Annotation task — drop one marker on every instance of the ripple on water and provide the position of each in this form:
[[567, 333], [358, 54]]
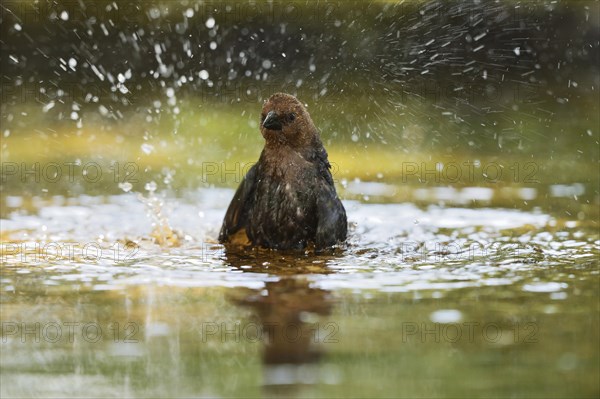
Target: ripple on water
[[446, 316], [545, 287], [392, 247]]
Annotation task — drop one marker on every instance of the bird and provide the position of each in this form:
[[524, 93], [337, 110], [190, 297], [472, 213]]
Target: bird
[[287, 200]]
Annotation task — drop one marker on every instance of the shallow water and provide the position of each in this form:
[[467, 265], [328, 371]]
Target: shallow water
[[139, 300]]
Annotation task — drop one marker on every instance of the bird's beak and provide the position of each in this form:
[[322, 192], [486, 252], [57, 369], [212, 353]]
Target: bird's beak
[[272, 121]]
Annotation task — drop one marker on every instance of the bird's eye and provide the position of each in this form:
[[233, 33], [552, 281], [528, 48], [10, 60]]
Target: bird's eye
[[291, 117]]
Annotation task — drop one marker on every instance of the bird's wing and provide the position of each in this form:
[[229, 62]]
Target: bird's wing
[[332, 225], [237, 213], [319, 158]]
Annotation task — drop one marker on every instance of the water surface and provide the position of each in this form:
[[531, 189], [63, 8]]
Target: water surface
[[423, 301]]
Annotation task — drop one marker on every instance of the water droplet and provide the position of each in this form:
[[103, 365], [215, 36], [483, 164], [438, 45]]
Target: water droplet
[[266, 64], [154, 13], [48, 106], [147, 148], [203, 74], [64, 16], [150, 186], [210, 23], [126, 186]]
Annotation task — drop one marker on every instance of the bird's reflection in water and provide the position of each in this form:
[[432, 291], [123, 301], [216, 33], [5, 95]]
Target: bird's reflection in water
[[290, 313]]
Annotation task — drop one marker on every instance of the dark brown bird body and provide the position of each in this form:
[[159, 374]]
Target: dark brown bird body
[[288, 199]]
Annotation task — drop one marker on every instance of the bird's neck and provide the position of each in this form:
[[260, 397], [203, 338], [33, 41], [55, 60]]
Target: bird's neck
[[278, 148], [276, 154]]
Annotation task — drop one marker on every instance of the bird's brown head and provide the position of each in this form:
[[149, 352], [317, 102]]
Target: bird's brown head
[[284, 120]]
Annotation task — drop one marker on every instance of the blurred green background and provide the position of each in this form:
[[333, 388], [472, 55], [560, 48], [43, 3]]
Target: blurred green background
[[170, 92]]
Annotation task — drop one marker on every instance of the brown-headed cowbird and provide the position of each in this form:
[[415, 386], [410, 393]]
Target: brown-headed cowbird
[[287, 200]]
